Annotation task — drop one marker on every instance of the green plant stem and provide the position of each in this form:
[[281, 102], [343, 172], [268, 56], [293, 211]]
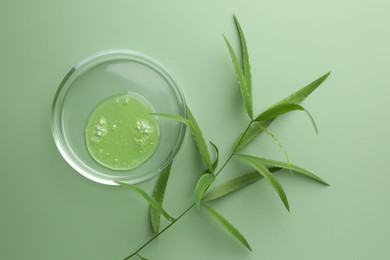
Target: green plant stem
[[193, 204], [235, 149], [159, 233]]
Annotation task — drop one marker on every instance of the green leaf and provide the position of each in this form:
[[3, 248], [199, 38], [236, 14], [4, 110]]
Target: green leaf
[[174, 117], [246, 90], [245, 57], [200, 141], [234, 184], [201, 186], [158, 196], [244, 52], [196, 134], [148, 198], [229, 227], [295, 98], [257, 164], [294, 168], [301, 94], [281, 109], [215, 163]]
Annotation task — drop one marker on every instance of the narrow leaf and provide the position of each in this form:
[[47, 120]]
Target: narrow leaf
[[312, 121], [148, 198], [229, 227], [201, 186], [245, 57], [215, 163], [295, 98], [158, 196], [173, 116], [278, 110], [301, 94], [196, 134], [242, 82], [234, 184], [281, 109], [268, 176], [294, 168], [200, 141]]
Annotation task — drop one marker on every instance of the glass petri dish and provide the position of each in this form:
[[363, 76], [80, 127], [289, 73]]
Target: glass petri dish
[[105, 74]]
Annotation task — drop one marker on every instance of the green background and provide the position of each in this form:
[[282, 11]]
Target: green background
[[48, 211]]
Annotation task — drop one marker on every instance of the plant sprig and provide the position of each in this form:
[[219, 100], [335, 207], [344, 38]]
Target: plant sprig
[[265, 168]]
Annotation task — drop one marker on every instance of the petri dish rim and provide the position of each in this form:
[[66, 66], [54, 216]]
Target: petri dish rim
[[57, 122]]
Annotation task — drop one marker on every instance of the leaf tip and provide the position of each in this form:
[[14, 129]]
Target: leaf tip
[[286, 204], [226, 40], [235, 18], [326, 75]]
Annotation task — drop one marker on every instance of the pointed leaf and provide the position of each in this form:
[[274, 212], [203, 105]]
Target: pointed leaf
[[200, 141], [278, 110], [295, 98], [229, 227], [245, 57], [215, 163], [196, 134], [301, 94], [294, 168], [268, 176], [246, 91], [201, 186], [173, 116], [158, 196], [281, 109], [148, 198], [234, 184]]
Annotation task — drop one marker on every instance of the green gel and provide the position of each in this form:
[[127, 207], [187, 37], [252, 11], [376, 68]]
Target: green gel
[[120, 132]]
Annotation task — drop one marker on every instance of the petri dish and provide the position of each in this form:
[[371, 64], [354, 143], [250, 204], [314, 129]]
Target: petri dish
[[105, 74]]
